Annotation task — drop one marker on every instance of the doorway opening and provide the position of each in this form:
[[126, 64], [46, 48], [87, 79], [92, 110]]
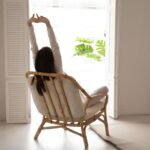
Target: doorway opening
[[71, 19]]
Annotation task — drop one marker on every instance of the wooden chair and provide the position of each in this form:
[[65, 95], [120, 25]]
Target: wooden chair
[[66, 104]]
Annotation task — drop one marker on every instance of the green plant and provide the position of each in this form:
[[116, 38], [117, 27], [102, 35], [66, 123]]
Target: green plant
[[94, 49]]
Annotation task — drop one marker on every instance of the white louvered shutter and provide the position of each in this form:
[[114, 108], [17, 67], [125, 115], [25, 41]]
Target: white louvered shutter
[[16, 61]]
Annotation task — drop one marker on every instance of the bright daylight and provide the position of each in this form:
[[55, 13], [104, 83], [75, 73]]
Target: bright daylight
[[74, 21]]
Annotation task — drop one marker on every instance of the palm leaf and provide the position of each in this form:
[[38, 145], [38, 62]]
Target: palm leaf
[[84, 40], [100, 47]]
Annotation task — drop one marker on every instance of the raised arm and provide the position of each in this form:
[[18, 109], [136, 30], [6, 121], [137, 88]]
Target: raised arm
[[32, 38], [54, 44]]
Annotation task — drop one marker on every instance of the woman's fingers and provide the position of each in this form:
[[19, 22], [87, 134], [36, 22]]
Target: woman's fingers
[[37, 19], [43, 19], [32, 16], [37, 16]]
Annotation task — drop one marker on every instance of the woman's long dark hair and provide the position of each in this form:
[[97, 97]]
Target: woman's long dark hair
[[44, 62]]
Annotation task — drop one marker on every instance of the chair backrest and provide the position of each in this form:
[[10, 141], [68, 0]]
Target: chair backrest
[[61, 101]]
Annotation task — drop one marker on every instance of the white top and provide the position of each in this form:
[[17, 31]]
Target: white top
[[54, 47]]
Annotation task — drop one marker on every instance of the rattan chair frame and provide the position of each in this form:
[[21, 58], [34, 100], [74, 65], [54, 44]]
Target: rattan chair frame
[[82, 123]]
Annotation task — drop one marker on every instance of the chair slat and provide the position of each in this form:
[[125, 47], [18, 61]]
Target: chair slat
[[59, 101], [50, 98], [65, 100], [50, 116]]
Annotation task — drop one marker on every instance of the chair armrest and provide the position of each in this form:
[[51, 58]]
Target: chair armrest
[[97, 96], [95, 99], [101, 90]]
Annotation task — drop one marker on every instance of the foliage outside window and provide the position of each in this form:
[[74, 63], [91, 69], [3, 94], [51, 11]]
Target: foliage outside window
[[93, 49]]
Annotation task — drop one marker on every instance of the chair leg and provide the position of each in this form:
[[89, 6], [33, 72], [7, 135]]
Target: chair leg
[[40, 128], [106, 123], [83, 129]]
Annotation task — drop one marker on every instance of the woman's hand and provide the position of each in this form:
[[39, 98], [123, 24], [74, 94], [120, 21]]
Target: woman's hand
[[31, 20], [43, 20], [38, 19]]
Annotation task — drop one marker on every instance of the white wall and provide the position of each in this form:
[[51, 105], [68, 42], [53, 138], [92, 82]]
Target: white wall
[[2, 94], [134, 60]]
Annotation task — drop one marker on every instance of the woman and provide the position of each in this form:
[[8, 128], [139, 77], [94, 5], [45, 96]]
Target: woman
[[52, 39], [46, 59]]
